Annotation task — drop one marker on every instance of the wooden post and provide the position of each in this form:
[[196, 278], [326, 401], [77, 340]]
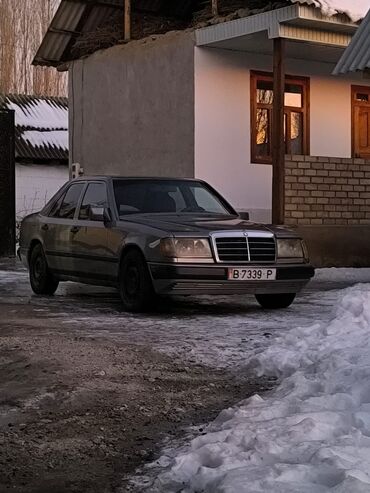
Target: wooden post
[[127, 20], [278, 141], [214, 7]]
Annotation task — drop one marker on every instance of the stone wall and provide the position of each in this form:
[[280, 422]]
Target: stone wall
[[327, 191]]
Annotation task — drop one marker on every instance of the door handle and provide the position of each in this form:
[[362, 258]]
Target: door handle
[[44, 227], [75, 229]]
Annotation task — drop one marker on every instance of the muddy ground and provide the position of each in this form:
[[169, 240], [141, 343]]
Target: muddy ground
[[79, 413]]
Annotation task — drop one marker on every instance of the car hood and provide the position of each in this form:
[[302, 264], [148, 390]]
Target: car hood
[[202, 224]]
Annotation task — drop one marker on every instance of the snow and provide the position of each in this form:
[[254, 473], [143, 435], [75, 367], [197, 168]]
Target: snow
[[41, 114], [355, 9], [52, 138], [311, 434]]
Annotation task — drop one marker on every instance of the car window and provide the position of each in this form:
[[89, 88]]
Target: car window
[[167, 196], [156, 197], [54, 211], [95, 196], [69, 204], [204, 200]]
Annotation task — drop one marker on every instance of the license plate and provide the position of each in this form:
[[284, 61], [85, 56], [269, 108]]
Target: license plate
[[241, 274]]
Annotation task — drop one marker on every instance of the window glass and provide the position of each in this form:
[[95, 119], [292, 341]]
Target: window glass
[[70, 201], [265, 93], [263, 132], [296, 133], [54, 211], [205, 201], [362, 97], [296, 116], [293, 95], [167, 196], [95, 196]]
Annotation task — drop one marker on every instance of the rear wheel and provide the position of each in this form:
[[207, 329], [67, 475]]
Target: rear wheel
[[275, 301], [135, 285], [41, 279]]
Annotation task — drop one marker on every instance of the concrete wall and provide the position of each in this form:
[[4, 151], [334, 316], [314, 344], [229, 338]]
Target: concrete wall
[[222, 122], [132, 108], [35, 185], [337, 246], [222, 130]]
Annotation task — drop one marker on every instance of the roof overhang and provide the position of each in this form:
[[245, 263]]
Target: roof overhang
[[310, 33]]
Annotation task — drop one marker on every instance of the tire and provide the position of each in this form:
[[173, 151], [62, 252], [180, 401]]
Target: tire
[[135, 284], [275, 301], [41, 279]]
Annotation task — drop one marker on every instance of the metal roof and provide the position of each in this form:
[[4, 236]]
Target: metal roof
[[41, 127], [309, 33], [357, 55], [76, 17]]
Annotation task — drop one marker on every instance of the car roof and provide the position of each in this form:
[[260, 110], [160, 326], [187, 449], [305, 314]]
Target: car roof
[[136, 178]]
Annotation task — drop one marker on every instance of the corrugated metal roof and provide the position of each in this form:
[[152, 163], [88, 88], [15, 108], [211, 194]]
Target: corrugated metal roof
[[41, 131], [357, 55], [74, 18]]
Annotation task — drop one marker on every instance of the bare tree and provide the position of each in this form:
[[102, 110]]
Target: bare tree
[[23, 24]]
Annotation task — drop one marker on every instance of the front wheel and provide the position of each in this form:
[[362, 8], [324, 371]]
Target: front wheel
[[135, 284], [275, 301], [41, 279]]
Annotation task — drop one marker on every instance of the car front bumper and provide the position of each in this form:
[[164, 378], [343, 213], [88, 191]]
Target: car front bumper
[[192, 279]]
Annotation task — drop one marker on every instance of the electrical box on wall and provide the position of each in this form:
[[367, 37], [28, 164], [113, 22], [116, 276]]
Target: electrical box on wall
[[76, 170]]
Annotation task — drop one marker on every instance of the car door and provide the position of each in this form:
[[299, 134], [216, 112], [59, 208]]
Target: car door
[[89, 240], [57, 229]]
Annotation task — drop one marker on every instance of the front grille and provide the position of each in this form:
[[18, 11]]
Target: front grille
[[231, 249], [262, 249], [245, 248]]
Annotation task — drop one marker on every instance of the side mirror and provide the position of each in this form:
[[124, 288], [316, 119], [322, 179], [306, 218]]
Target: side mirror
[[244, 216], [101, 214]]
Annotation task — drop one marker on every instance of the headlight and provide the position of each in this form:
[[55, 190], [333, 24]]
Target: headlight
[[290, 248], [186, 248]]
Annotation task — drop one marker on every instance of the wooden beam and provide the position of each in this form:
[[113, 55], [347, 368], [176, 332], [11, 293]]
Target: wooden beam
[[214, 7], [127, 20], [278, 141]]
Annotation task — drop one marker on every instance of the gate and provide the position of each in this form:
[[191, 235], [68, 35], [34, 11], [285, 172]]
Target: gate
[[7, 184]]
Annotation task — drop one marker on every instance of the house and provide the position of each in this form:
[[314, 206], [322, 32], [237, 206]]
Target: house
[[41, 149], [186, 89]]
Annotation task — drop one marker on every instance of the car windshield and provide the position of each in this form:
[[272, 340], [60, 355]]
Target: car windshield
[[166, 196]]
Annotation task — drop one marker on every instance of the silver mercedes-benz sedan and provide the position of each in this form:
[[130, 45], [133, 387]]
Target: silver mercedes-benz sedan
[[159, 236]]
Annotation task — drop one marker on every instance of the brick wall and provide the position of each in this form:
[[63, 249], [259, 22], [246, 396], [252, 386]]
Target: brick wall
[[323, 190]]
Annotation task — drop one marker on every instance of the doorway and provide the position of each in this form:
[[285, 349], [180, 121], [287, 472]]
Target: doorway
[[361, 122]]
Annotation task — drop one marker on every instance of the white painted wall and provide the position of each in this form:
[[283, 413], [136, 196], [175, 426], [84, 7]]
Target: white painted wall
[[35, 185], [222, 122]]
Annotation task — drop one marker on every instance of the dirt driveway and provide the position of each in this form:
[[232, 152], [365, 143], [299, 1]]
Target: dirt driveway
[[82, 407], [89, 393]]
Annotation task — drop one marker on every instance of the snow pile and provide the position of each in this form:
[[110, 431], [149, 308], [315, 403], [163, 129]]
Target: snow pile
[[355, 9], [310, 435]]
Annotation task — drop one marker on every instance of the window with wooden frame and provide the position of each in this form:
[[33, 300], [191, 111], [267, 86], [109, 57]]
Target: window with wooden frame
[[361, 121], [296, 116]]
